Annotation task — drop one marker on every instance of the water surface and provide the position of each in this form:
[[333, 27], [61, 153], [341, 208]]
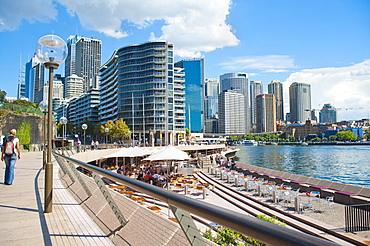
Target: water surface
[[345, 164]]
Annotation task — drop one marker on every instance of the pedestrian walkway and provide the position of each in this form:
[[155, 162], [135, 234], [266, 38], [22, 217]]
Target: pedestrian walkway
[[23, 221]]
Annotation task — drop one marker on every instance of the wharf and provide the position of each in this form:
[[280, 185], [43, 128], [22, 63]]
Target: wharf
[[23, 221]]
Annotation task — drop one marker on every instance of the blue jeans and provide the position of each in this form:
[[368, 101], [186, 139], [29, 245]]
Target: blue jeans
[[9, 168]]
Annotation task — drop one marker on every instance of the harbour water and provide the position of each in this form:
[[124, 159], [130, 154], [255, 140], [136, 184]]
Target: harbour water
[[345, 164]]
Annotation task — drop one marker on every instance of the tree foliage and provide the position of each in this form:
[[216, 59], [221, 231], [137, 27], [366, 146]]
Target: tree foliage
[[25, 103], [2, 96], [346, 136], [117, 130], [24, 134]]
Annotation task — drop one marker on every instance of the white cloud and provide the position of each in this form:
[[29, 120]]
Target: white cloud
[[13, 12], [346, 88], [194, 26], [266, 64]]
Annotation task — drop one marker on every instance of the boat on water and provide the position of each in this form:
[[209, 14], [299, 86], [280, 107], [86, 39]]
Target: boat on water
[[250, 142], [304, 143], [230, 153]]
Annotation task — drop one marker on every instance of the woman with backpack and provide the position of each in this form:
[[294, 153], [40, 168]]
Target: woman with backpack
[[10, 152]]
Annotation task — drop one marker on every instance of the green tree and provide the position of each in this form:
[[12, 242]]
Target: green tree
[[187, 132], [117, 130], [24, 134], [367, 134], [25, 103], [2, 96], [346, 136], [291, 139]]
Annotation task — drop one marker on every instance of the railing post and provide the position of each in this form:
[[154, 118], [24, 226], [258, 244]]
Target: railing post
[[188, 226]]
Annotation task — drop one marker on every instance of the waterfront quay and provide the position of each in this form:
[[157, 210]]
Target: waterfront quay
[[23, 221]]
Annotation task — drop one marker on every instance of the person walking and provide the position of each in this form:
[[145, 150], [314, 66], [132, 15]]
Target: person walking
[[10, 152]]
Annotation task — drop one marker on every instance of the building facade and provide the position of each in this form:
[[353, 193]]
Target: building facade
[[73, 86], [194, 79], [300, 102], [276, 87], [83, 59], [265, 113], [231, 113], [150, 92], [238, 82], [84, 108], [34, 79], [256, 88], [211, 91], [328, 114]]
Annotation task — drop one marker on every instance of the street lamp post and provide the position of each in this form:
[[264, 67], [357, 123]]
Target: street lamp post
[[52, 51], [106, 135], [64, 121], [44, 109], [84, 127]]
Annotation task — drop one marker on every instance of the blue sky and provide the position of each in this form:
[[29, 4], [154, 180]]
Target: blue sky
[[325, 43]]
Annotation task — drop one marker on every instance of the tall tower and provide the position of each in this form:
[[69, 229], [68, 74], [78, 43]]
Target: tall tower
[[328, 114], [73, 86], [194, 79], [300, 102], [276, 87], [140, 85], [238, 82], [256, 88], [84, 59], [266, 113], [231, 113], [211, 91], [34, 79]]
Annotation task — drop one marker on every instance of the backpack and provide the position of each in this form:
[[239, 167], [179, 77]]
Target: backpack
[[9, 147]]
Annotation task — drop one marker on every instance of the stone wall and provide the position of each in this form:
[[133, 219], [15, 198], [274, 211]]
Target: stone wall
[[13, 121]]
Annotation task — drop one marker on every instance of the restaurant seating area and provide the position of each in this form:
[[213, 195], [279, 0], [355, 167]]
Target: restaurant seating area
[[343, 193], [272, 191]]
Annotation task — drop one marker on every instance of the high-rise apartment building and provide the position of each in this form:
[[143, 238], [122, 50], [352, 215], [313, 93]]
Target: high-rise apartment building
[[266, 113], [238, 82], [231, 113], [84, 107], [328, 114], [276, 87], [211, 91], [83, 59], [149, 92], [256, 88], [73, 86], [34, 79], [194, 79], [300, 102]]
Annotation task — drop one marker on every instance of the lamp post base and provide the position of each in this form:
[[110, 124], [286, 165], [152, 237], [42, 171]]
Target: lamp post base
[[48, 200]]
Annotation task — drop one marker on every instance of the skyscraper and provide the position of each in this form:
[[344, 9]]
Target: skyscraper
[[83, 59], [194, 79], [140, 85], [211, 91], [73, 86], [328, 114], [300, 102], [276, 87], [34, 79], [231, 113], [266, 113], [238, 82], [256, 88]]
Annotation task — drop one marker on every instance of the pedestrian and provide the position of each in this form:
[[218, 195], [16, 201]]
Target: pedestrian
[[96, 144], [92, 144], [78, 144], [10, 152]]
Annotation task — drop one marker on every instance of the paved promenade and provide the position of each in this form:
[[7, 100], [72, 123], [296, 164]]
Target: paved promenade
[[23, 221]]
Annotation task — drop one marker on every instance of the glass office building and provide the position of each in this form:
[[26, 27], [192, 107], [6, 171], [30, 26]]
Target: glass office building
[[194, 77]]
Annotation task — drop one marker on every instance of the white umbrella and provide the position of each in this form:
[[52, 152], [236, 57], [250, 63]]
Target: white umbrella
[[168, 154], [129, 152]]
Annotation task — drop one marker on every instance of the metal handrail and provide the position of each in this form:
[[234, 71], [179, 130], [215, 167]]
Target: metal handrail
[[255, 228]]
